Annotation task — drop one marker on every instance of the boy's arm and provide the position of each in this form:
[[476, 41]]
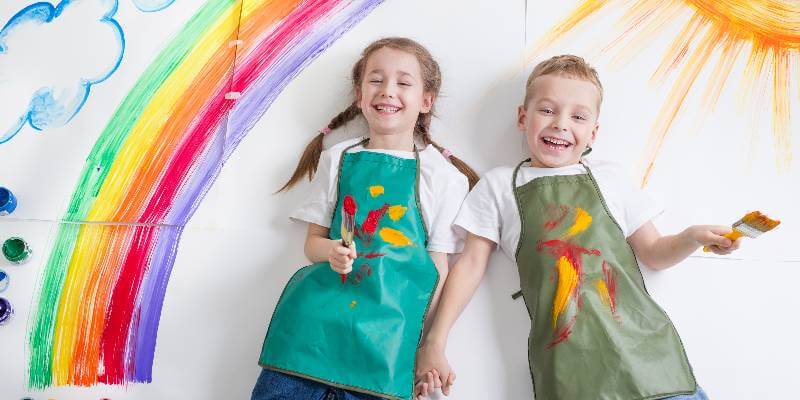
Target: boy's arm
[[661, 252], [463, 280]]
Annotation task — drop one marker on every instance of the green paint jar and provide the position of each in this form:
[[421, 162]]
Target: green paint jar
[[16, 250]]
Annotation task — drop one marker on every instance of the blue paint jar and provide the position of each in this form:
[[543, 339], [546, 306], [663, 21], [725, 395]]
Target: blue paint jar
[[3, 280], [7, 201]]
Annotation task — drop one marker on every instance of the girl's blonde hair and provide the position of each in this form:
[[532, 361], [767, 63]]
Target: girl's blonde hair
[[432, 83]]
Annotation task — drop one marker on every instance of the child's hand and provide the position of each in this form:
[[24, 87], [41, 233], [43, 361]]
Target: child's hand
[[713, 237], [341, 257], [426, 385], [432, 366]]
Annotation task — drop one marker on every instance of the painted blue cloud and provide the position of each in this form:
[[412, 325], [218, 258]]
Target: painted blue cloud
[[152, 5], [50, 56]]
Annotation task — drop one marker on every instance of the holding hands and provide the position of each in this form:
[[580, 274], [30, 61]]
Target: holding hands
[[433, 371]]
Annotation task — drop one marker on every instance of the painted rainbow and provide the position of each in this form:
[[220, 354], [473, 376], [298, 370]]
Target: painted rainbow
[[99, 302]]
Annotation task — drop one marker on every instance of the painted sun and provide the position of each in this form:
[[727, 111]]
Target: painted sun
[[717, 34]]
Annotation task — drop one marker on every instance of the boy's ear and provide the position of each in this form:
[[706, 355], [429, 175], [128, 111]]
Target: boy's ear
[[427, 102], [594, 134], [521, 116]]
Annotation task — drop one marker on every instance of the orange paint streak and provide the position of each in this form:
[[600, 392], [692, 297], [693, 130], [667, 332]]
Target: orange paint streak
[[683, 85], [567, 287], [774, 23], [583, 11]]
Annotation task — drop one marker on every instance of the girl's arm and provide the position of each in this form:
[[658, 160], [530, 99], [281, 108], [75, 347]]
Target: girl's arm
[[319, 248], [662, 252], [463, 280], [440, 261]]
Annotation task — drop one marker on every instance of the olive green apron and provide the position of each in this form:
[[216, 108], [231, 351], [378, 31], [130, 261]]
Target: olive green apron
[[362, 333], [595, 331]]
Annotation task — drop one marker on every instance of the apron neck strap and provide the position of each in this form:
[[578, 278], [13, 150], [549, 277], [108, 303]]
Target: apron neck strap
[[416, 181], [516, 171]]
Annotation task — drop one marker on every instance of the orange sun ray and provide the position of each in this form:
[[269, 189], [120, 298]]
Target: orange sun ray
[[716, 34]]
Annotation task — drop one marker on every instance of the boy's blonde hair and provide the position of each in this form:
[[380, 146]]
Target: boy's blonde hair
[[566, 65]]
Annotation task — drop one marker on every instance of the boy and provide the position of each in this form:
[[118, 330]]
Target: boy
[[575, 233]]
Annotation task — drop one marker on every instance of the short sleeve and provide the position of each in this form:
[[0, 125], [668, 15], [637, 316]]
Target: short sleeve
[[443, 237], [639, 207], [318, 205], [480, 213]]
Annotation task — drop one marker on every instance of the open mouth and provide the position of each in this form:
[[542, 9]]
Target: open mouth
[[556, 143], [386, 108]]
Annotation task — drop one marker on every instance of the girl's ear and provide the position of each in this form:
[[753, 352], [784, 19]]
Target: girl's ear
[[358, 98], [427, 102], [521, 115]]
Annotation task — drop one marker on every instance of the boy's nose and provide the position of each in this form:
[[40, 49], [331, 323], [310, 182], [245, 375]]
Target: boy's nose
[[559, 124]]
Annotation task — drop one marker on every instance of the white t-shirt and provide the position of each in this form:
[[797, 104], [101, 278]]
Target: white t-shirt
[[490, 210], [442, 189]]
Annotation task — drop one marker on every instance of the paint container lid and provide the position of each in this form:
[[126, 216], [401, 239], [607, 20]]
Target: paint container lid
[[16, 250], [3, 281], [7, 201], [6, 311]]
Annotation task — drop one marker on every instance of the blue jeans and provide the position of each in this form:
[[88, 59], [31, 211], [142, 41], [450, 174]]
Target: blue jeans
[[698, 395], [273, 385]]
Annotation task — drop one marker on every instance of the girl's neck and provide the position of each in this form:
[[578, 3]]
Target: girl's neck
[[390, 142]]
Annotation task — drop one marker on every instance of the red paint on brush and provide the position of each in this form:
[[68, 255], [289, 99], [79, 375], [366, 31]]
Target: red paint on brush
[[350, 205]]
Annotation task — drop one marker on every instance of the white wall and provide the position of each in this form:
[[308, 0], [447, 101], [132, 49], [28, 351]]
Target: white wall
[[736, 315]]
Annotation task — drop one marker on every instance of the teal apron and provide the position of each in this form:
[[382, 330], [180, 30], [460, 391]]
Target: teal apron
[[595, 331], [362, 333]]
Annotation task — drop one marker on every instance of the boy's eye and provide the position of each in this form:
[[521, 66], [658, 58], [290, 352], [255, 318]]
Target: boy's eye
[[375, 81], [579, 117], [546, 110]]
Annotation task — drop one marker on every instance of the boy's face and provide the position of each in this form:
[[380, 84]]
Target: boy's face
[[560, 120]]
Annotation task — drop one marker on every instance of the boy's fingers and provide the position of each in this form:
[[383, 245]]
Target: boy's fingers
[[720, 229], [714, 239], [437, 382]]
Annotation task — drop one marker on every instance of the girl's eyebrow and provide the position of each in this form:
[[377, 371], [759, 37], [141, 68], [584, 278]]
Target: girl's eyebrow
[[402, 73]]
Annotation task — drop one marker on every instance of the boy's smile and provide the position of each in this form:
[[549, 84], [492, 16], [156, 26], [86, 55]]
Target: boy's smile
[[560, 120]]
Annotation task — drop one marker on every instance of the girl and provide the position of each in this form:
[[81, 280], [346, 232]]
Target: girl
[[577, 235], [348, 326]]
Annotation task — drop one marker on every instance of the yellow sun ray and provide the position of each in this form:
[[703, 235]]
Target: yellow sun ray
[[716, 33]]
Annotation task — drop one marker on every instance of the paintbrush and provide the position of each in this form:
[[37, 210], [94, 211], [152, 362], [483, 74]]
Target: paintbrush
[[348, 224], [751, 225]]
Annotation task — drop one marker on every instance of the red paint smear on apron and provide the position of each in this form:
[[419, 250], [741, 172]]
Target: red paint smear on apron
[[573, 252]]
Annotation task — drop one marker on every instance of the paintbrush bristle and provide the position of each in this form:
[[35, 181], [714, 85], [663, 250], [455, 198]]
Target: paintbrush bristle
[[760, 221], [754, 224]]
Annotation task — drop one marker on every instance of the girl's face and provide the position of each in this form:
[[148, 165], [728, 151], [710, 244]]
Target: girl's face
[[392, 94], [560, 120]]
